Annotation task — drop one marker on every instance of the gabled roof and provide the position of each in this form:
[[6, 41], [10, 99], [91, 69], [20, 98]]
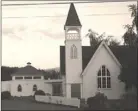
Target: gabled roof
[[27, 70], [102, 44], [125, 55], [72, 18]]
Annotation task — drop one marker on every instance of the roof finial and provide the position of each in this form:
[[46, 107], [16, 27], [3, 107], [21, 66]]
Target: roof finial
[[29, 63]]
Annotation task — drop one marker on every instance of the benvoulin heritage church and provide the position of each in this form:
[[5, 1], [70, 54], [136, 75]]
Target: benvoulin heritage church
[[85, 70]]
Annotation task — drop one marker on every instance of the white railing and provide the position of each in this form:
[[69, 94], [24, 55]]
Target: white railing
[[58, 100], [73, 36]]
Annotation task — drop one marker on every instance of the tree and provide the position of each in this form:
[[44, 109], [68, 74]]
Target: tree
[[114, 43], [128, 73], [133, 10], [52, 74], [137, 18], [95, 38], [129, 36], [6, 72], [111, 41]]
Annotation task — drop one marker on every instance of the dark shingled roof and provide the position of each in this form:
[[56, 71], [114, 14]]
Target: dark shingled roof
[[72, 18], [126, 55], [27, 70]]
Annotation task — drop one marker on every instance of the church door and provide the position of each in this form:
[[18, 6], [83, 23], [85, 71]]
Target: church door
[[75, 90]]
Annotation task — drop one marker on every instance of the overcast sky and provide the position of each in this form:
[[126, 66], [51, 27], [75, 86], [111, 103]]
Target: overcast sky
[[35, 33]]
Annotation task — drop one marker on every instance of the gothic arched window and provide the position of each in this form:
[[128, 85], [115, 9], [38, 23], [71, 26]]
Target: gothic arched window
[[19, 88], [34, 88], [103, 78], [73, 53]]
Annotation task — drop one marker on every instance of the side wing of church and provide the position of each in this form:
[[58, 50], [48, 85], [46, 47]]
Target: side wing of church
[[89, 70]]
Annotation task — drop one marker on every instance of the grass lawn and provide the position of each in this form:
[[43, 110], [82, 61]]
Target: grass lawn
[[31, 105]]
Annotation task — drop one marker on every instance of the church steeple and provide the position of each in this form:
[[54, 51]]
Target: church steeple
[[73, 52], [72, 18]]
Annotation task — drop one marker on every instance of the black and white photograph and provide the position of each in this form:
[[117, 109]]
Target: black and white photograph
[[69, 54]]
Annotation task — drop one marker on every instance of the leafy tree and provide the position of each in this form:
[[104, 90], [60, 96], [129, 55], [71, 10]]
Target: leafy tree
[[95, 38], [129, 36], [114, 43], [129, 75], [6, 72], [52, 74], [133, 10]]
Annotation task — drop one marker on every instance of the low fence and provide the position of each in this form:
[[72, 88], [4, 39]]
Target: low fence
[[58, 100]]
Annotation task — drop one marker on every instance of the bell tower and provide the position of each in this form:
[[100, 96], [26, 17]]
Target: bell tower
[[73, 54]]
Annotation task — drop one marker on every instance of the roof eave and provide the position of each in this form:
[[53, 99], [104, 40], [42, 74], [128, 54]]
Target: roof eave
[[72, 26], [27, 74]]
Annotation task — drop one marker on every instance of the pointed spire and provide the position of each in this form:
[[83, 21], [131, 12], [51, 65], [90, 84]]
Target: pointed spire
[[72, 19]]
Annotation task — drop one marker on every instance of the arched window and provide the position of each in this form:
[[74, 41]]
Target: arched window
[[19, 88], [73, 52], [103, 78], [34, 88]]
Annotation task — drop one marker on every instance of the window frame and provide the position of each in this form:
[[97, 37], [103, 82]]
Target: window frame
[[28, 77], [19, 78], [35, 87], [19, 88], [37, 77], [73, 52], [104, 74]]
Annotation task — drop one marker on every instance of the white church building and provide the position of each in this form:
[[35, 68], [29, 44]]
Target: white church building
[[85, 70], [88, 70]]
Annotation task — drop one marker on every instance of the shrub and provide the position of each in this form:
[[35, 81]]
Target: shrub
[[39, 92], [97, 102], [129, 101], [114, 104], [5, 95], [48, 94]]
